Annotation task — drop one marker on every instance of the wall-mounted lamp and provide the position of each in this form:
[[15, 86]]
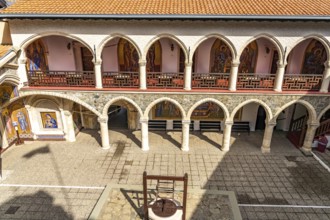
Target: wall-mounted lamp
[[267, 50], [172, 46], [68, 46]]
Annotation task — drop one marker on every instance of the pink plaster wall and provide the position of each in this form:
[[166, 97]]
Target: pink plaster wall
[[109, 56], [264, 60], [203, 56], [296, 57]]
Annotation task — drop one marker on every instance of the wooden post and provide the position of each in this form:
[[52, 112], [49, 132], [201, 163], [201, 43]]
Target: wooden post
[[145, 200]]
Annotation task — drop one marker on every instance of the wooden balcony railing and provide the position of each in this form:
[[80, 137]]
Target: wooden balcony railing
[[210, 80], [61, 78], [304, 82], [254, 81], [324, 128], [165, 80], [120, 79]]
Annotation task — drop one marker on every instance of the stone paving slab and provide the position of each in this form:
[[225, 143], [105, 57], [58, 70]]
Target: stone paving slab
[[127, 203]]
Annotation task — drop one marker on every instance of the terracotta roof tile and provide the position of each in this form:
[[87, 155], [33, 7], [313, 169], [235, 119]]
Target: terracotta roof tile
[[172, 7], [4, 49]]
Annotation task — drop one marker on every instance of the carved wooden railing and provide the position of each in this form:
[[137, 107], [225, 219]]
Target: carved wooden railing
[[324, 128], [210, 80], [165, 80], [304, 82], [61, 78], [255, 81], [120, 79]]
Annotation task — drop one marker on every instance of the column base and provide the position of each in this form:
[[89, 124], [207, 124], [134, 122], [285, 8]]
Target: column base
[[187, 89], [278, 90], [307, 151], [186, 149], [232, 90], [98, 87], [225, 149], [265, 150], [107, 147], [143, 88]]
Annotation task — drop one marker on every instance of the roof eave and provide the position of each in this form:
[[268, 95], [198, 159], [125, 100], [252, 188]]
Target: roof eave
[[167, 17]]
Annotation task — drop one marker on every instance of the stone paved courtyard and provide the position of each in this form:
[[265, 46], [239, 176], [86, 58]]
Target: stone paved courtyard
[[261, 182]]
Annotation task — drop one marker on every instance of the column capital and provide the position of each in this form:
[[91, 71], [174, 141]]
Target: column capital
[[280, 64], [67, 113], [228, 123], [142, 62], [327, 64], [144, 120], [102, 119], [314, 124], [97, 62], [188, 64], [271, 124], [235, 63], [186, 122], [22, 60]]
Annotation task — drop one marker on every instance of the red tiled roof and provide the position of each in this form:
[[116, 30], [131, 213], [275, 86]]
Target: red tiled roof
[[172, 7]]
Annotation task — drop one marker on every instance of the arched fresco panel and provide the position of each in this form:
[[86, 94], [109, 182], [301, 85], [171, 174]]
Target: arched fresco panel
[[220, 57], [36, 56], [154, 57], [128, 57], [315, 57], [248, 58]]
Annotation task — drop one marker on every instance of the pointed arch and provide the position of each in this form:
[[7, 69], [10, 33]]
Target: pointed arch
[[217, 36], [223, 107], [120, 98], [101, 46], [176, 103], [263, 104], [311, 111]]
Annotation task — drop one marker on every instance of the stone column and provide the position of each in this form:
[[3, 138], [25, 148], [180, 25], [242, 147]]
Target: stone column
[[70, 133], [226, 136], [98, 74], [104, 132], [144, 134], [143, 74], [309, 137], [326, 77], [22, 71], [268, 133], [233, 75], [279, 77], [187, 76], [185, 135], [82, 116], [131, 118], [3, 139]]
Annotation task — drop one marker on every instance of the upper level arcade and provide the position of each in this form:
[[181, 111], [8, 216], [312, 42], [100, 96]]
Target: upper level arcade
[[165, 62]]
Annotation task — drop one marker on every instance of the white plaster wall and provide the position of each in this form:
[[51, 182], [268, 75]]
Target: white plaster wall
[[170, 59], [249, 113], [59, 57], [264, 60]]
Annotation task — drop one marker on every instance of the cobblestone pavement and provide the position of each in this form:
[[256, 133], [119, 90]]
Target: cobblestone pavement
[[283, 177]]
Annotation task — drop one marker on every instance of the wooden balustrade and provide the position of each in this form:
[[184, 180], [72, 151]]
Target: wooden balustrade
[[165, 80], [310, 82], [210, 80], [120, 79], [324, 128], [252, 81], [61, 78]]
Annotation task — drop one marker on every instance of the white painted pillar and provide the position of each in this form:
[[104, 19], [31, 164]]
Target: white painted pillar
[[33, 124], [144, 134], [82, 116], [3, 139], [185, 135], [187, 76], [268, 134], [307, 146], [226, 136], [143, 74], [279, 77], [70, 133], [104, 132], [22, 72], [98, 74], [233, 75], [326, 77]]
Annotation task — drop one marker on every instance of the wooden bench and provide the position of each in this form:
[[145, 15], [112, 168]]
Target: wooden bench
[[210, 125], [177, 125], [157, 125], [241, 126]]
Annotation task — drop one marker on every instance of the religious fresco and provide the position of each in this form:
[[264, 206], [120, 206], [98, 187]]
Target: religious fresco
[[154, 58], [49, 119], [248, 58], [166, 110], [36, 56], [128, 57], [210, 111], [16, 115], [220, 57], [7, 92], [315, 57]]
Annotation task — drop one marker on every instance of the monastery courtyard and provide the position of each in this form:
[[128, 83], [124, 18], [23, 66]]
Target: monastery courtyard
[[63, 180]]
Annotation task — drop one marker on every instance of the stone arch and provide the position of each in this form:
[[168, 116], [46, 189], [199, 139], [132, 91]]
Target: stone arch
[[323, 112], [223, 107], [59, 95], [170, 36], [311, 111], [120, 98], [269, 37], [10, 78], [34, 37], [218, 36], [152, 104], [100, 47], [263, 104], [319, 38]]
